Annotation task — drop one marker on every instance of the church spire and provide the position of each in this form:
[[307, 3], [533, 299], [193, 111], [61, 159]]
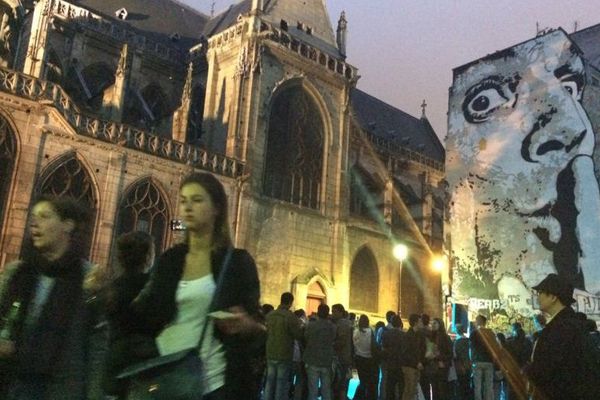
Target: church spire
[[341, 34], [423, 107]]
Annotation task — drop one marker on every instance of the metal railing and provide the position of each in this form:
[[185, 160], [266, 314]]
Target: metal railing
[[32, 88]]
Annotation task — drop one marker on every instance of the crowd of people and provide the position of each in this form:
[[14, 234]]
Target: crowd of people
[[308, 358], [187, 324]]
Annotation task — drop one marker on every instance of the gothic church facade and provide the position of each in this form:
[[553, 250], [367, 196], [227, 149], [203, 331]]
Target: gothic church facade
[[113, 102]]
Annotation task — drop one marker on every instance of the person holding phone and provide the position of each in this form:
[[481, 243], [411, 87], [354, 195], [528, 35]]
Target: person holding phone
[[180, 296]]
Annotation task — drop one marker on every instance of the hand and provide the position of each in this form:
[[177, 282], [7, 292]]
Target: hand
[[7, 348], [240, 322]]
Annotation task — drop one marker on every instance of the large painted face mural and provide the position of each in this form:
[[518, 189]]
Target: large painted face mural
[[524, 198]]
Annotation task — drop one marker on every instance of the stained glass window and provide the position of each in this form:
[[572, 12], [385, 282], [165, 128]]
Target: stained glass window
[[294, 156], [68, 177], [8, 150], [143, 208]]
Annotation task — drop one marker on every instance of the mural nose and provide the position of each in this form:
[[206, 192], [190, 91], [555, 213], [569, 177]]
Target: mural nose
[[557, 130]]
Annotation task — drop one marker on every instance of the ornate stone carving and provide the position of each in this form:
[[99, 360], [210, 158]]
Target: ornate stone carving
[[10, 25], [243, 64]]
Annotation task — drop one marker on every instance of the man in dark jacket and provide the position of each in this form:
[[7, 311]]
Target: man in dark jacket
[[319, 352], [462, 362], [413, 356], [391, 349], [343, 352], [561, 367], [482, 342]]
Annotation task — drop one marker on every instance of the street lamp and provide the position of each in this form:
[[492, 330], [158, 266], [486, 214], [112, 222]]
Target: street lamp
[[439, 263], [400, 252]]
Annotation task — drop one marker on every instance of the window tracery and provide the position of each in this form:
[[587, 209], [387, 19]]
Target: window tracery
[[143, 208], [68, 177], [295, 144], [8, 155]]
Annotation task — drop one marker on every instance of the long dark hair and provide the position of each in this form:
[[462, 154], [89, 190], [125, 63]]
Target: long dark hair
[[216, 191], [440, 335]]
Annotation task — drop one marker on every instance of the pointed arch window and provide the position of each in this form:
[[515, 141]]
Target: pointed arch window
[[364, 282], [196, 116], [69, 177], [295, 144], [8, 153], [143, 208]]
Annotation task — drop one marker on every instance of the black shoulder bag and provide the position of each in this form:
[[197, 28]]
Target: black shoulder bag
[[176, 376]]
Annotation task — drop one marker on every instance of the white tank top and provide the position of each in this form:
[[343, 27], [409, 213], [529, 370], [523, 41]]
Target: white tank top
[[193, 299]]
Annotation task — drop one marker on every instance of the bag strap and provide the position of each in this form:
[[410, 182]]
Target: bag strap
[[218, 288]]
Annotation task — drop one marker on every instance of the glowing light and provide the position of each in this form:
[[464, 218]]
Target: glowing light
[[400, 252], [439, 263]]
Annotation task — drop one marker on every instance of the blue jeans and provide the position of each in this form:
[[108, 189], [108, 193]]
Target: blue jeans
[[483, 380], [316, 374], [277, 385]]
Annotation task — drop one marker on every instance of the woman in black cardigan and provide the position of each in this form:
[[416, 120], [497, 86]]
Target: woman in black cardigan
[[181, 293]]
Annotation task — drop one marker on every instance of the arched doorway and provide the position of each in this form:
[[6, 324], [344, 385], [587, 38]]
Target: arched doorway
[[314, 298], [411, 288], [364, 282]]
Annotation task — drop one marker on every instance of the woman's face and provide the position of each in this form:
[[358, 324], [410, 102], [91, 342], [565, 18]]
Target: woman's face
[[48, 230], [196, 208], [435, 326]]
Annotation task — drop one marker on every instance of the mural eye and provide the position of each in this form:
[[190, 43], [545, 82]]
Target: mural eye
[[572, 88], [482, 101]]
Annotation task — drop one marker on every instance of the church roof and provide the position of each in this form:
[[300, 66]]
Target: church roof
[[227, 18], [310, 13], [393, 125], [587, 40], [154, 17]]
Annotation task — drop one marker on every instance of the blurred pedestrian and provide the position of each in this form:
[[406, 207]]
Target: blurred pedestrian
[[193, 280], [413, 357], [343, 352], [482, 342], [54, 339], [131, 339], [319, 336], [391, 354], [462, 364], [283, 328], [364, 359], [300, 389]]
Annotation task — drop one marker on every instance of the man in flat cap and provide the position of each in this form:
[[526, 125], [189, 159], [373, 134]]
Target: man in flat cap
[[561, 366]]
